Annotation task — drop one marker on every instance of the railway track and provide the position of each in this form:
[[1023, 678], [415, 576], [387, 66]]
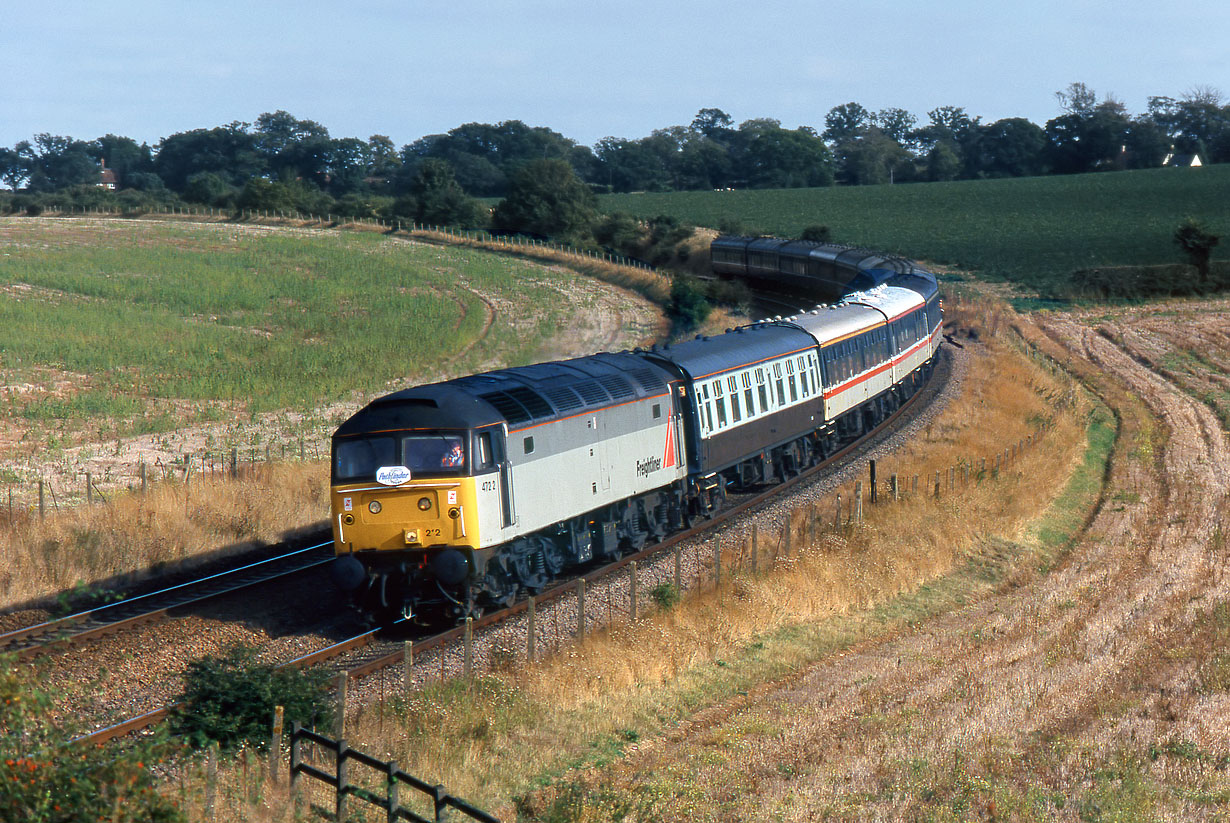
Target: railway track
[[63, 632], [371, 652]]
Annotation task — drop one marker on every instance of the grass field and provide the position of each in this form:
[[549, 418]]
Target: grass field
[[1032, 231]]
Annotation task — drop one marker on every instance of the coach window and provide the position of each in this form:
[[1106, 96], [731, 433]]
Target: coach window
[[721, 411], [748, 397]]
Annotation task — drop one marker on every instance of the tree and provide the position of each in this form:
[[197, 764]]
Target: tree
[[1077, 99], [711, 123], [227, 151], [783, 158], [292, 148], [1197, 244], [845, 122], [439, 200], [943, 162], [872, 158], [545, 197], [897, 124], [1012, 147]]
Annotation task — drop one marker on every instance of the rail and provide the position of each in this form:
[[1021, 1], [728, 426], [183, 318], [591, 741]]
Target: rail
[[29, 641]]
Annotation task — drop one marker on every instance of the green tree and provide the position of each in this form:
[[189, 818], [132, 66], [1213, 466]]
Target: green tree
[[227, 151], [1197, 244], [545, 197], [845, 122], [439, 200]]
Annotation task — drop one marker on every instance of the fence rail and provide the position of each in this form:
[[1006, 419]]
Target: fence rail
[[394, 778]]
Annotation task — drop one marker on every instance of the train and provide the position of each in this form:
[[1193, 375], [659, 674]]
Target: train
[[452, 498]]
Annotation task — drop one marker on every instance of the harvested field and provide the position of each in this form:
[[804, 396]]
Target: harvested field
[[1095, 691]]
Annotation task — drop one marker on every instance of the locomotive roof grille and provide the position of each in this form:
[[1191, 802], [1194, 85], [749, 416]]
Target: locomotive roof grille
[[508, 406], [564, 398], [616, 385], [591, 393], [532, 400]]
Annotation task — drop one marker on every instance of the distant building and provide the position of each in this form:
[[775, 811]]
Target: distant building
[[1182, 160], [106, 178]]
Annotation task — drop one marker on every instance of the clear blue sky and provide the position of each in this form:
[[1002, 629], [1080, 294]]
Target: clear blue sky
[[149, 68]]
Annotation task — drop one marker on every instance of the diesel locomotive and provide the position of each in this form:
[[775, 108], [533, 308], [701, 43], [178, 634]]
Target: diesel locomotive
[[453, 497]]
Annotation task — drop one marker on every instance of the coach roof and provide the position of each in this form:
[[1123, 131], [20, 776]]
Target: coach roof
[[706, 356]]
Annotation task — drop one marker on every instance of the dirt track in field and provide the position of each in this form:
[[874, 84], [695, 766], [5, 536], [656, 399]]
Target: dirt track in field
[[1041, 686]]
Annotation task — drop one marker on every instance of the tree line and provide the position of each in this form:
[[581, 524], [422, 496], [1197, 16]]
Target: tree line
[[283, 162]]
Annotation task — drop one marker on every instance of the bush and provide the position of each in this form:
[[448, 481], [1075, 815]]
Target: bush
[[688, 306], [665, 595], [230, 700], [45, 778], [817, 234]]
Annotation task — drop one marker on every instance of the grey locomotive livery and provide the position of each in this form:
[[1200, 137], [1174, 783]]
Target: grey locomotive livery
[[452, 497]]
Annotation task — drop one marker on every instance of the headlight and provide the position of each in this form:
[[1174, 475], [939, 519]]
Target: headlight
[[374, 507], [424, 503]]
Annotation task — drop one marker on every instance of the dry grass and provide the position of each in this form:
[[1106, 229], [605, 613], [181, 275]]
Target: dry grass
[[131, 536], [542, 736]]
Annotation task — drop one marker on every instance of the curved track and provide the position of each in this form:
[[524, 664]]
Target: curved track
[[373, 650]]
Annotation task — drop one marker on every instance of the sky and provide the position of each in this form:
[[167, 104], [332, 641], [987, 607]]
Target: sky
[[147, 69]]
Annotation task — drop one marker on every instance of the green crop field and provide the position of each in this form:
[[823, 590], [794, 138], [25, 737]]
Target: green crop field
[[101, 317], [1033, 231]]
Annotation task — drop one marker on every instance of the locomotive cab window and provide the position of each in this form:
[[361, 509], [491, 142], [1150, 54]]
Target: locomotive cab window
[[484, 457], [529, 445]]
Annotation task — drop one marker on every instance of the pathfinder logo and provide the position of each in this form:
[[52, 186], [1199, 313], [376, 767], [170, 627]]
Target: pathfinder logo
[[646, 467]]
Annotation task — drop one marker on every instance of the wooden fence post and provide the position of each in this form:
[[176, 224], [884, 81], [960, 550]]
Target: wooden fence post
[[872, 465], [343, 782], [339, 722], [211, 779], [467, 665], [892, 482], [234, 462], [89, 490], [42, 510], [407, 667], [296, 756], [144, 483], [580, 608], [530, 631], [837, 513], [678, 569], [755, 552], [937, 483], [858, 502], [717, 563], [275, 744], [632, 592], [393, 800]]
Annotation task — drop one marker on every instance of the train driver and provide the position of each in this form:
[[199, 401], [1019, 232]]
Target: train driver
[[454, 457]]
